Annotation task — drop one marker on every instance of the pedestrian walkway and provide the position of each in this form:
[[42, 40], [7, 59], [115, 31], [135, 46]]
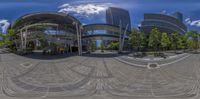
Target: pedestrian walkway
[[89, 77]]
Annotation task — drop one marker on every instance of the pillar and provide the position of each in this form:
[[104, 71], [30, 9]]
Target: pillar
[[120, 37], [78, 38]]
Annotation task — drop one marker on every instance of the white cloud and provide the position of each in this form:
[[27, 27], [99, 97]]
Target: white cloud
[[84, 9], [164, 11], [84, 24], [192, 22], [139, 25], [4, 25], [187, 19], [64, 5], [195, 23]]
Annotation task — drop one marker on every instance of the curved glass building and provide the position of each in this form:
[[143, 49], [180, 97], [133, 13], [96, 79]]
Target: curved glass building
[[56, 32], [165, 23], [45, 30]]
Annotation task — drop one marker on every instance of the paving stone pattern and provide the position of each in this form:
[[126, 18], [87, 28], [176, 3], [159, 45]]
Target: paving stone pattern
[[85, 77]]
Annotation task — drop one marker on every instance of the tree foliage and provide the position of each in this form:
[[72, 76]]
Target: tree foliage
[[113, 46], [137, 39], [165, 40], [93, 46], [6, 38], [154, 39], [184, 39], [102, 47], [175, 40], [193, 39]]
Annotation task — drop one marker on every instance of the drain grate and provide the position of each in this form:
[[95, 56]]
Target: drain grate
[[26, 64], [153, 66]]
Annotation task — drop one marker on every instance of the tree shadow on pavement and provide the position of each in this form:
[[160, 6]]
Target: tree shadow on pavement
[[39, 55], [99, 55]]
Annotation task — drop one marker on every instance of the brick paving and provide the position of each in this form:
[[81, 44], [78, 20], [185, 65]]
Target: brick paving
[[102, 77]]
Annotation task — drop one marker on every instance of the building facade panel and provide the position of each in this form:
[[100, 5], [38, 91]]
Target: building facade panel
[[166, 23], [118, 16]]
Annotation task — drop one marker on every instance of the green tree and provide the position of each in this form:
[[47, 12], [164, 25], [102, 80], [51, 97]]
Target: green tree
[[154, 39], [113, 46], [174, 40], [137, 39], [180, 43], [142, 40], [6, 38], [9, 36], [165, 41], [2, 37], [133, 39], [184, 41], [191, 44], [102, 47], [93, 46], [193, 41]]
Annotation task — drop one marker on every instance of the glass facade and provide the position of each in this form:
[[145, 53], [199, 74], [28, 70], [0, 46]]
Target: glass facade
[[117, 16], [166, 22], [45, 31], [178, 15]]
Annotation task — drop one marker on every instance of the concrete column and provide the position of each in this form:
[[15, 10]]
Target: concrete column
[[78, 38], [120, 37], [25, 38], [70, 48], [124, 36], [88, 45], [36, 43], [22, 43]]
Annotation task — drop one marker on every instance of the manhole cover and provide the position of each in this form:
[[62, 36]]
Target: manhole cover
[[26, 64], [153, 66]]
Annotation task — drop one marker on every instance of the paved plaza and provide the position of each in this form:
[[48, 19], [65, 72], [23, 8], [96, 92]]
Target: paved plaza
[[100, 76]]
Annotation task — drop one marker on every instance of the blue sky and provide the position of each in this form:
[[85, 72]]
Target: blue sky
[[93, 11]]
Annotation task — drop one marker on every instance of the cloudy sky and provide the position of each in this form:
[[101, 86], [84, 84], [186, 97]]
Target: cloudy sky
[[93, 11]]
